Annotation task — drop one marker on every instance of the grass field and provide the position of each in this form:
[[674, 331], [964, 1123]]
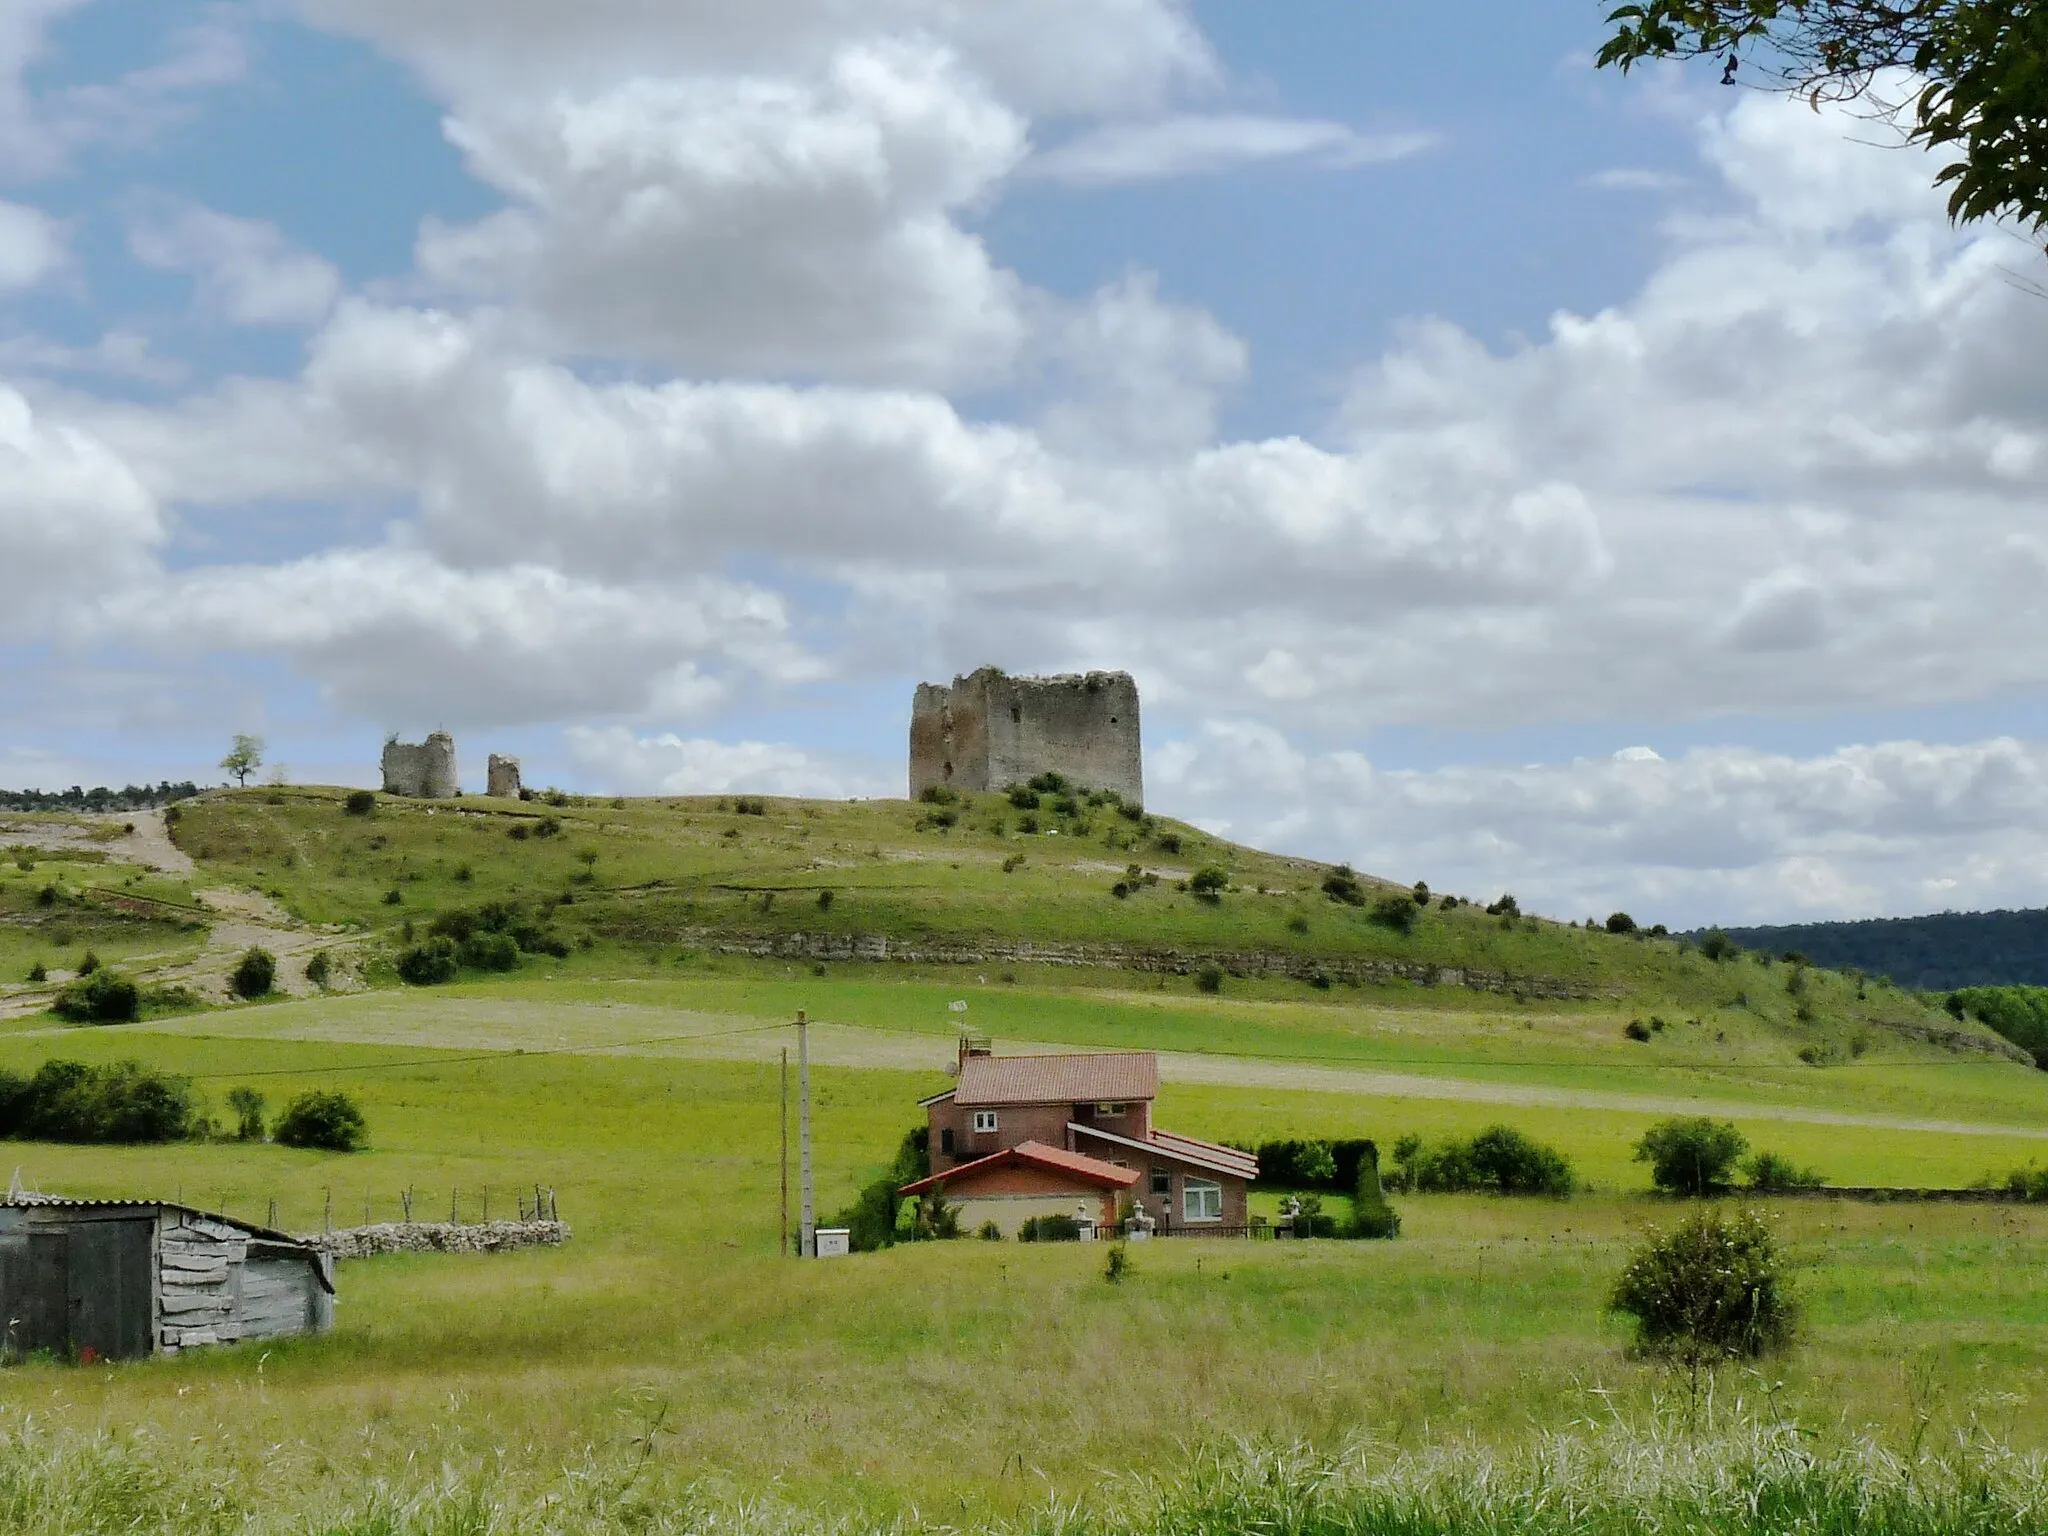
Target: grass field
[[668, 1370]]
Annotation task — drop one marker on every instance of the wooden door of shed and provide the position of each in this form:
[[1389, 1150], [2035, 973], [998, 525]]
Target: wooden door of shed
[[34, 1291], [111, 1299]]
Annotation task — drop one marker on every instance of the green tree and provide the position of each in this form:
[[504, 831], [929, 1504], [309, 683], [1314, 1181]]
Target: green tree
[[247, 1104], [244, 757], [329, 1122], [1708, 1292], [1691, 1155], [1979, 73]]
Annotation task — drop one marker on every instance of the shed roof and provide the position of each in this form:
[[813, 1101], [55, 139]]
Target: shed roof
[[1034, 1154], [268, 1234], [1181, 1149], [1104, 1077]]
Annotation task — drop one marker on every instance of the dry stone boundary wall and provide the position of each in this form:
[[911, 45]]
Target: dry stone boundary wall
[[437, 1237]]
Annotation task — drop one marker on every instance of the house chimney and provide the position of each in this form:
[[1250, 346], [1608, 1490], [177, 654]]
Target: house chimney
[[975, 1045]]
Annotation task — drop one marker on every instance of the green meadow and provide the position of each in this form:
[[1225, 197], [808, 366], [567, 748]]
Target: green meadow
[[669, 1369]]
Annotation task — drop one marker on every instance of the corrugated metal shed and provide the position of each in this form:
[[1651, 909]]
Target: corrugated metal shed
[[1105, 1078]]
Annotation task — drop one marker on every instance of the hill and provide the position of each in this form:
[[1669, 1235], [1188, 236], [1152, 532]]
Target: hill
[[1061, 891], [1938, 953]]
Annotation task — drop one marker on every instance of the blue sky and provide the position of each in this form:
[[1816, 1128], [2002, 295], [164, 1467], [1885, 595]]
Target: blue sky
[[1624, 492]]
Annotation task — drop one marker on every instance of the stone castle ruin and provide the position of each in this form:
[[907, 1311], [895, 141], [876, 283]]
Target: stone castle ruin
[[990, 730], [425, 771]]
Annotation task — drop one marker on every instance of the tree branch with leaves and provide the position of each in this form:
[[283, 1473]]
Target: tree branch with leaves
[[1978, 85]]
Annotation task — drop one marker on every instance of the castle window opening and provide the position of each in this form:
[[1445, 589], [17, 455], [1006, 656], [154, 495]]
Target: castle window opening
[[1017, 715]]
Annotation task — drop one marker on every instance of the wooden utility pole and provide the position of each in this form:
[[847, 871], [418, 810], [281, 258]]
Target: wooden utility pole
[[784, 1227], [807, 1232]]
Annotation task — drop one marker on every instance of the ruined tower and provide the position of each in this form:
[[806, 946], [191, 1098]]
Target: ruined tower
[[989, 731], [423, 772], [503, 780]]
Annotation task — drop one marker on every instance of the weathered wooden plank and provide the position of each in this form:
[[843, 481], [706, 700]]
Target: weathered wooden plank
[[202, 1302]]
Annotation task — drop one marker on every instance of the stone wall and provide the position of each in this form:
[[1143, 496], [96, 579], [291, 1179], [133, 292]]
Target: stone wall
[[437, 1237], [423, 771], [989, 731], [504, 778]]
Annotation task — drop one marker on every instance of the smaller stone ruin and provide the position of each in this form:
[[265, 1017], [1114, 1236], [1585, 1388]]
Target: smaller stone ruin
[[422, 771], [504, 778]]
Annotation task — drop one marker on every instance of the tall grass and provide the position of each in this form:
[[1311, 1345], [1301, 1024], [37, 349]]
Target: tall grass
[[1757, 1479]]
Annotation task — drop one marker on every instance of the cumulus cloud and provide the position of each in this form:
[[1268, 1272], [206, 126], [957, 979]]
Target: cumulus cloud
[[31, 246], [623, 762], [1189, 144], [246, 269], [1716, 835], [73, 517]]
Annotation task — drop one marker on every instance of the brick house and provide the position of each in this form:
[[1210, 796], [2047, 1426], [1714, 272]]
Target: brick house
[[1025, 1135]]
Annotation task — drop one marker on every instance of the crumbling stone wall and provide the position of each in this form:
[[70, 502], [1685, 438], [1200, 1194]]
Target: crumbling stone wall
[[989, 730], [425, 771], [437, 1237], [504, 778]]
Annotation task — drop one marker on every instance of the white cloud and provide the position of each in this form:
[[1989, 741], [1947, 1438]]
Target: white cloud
[[1717, 835], [1188, 144], [617, 760], [31, 246], [751, 224], [73, 518], [246, 269]]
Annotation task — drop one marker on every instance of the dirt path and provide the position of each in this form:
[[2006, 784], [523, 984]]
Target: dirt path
[[406, 1019]]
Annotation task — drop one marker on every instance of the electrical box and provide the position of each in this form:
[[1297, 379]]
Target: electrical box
[[834, 1242]]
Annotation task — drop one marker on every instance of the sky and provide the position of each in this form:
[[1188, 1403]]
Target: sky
[[1627, 493]]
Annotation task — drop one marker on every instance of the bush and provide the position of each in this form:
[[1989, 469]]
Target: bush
[[1620, 922], [1717, 946], [825, 900], [1691, 1156], [989, 1232], [1049, 1229], [1371, 1216], [89, 964], [938, 794], [360, 802], [872, 1220], [1341, 884], [1023, 797], [1499, 1160], [320, 969], [1209, 979], [1168, 842], [1769, 1174], [247, 1105], [38, 972], [99, 998], [1636, 1029], [1117, 1266], [1209, 883], [490, 952], [429, 964], [1710, 1291], [254, 975], [68, 1101], [1394, 911], [326, 1122], [1506, 906]]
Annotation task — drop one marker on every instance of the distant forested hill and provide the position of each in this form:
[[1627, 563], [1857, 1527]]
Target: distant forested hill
[[1937, 953]]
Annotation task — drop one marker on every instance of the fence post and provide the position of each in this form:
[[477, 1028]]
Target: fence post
[[453, 1196], [329, 1219], [405, 1199], [487, 1205], [273, 1213]]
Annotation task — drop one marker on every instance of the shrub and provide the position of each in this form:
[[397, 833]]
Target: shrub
[[1371, 1216], [1117, 1266], [989, 1232], [320, 969], [1636, 1029], [1050, 1229], [326, 1122], [89, 964], [938, 794], [1620, 922], [1499, 1160], [1168, 842], [70, 1101], [99, 998], [1050, 783], [872, 1220], [247, 1105], [938, 1219], [1023, 797], [254, 974], [1013, 863], [1717, 946], [1769, 1174], [490, 952], [1710, 1291], [1209, 883], [1341, 884], [38, 972], [1394, 911], [360, 802], [1210, 978], [1506, 906], [1691, 1156], [429, 964], [825, 900], [393, 897]]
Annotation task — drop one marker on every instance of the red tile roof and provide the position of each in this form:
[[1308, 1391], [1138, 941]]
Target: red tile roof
[[1034, 1154], [1107, 1077], [1181, 1149]]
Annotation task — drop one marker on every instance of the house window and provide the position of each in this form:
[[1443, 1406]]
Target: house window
[[946, 1141], [1110, 1109], [984, 1121], [1201, 1200], [1162, 1184]]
